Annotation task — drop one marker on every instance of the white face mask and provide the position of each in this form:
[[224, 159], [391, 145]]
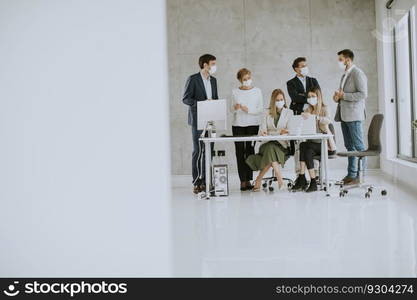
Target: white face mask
[[341, 65], [212, 70], [304, 71], [280, 104], [312, 101], [247, 83]]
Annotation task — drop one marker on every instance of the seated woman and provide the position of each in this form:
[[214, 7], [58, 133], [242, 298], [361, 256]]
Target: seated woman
[[311, 148], [274, 153]]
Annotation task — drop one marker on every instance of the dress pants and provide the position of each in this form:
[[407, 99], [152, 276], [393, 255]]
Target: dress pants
[[244, 150], [198, 157], [307, 151]]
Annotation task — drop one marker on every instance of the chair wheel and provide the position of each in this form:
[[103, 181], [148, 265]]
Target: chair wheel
[[384, 192], [325, 189], [270, 182], [271, 189], [343, 193], [289, 185], [264, 185], [367, 195], [370, 190]]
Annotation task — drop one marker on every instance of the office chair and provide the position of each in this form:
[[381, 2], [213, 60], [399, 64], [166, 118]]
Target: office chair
[[318, 158], [268, 181], [374, 149]]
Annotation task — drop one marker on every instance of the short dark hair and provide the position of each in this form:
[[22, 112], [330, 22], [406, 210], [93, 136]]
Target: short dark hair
[[205, 59], [347, 53], [297, 62]]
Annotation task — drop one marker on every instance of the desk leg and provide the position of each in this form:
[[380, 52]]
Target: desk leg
[[326, 169], [322, 165], [207, 153]]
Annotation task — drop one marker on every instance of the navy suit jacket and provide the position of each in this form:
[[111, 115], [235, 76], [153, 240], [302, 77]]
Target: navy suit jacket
[[297, 94], [194, 91]]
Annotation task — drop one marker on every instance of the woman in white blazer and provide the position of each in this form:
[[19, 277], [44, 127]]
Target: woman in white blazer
[[274, 153], [247, 108]]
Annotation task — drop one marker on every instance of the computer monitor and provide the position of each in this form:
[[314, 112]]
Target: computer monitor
[[212, 111]]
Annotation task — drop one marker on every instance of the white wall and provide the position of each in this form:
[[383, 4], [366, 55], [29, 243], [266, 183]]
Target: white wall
[[80, 84], [402, 171]]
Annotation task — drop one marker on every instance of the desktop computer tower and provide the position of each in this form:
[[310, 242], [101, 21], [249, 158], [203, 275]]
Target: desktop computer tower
[[220, 180]]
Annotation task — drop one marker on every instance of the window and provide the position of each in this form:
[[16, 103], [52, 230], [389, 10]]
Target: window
[[405, 59]]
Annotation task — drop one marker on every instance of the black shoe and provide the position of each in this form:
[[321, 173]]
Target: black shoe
[[313, 186], [300, 183], [249, 187]]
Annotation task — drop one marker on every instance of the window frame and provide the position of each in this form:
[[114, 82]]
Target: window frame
[[413, 86]]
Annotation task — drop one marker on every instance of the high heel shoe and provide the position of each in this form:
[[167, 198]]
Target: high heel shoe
[[257, 186], [281, 186]]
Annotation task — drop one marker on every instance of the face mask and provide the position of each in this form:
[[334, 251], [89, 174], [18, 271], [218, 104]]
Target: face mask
[[304, 71], [312, 101], [213, 70], [247, 82], [341, 65], [280, 104]]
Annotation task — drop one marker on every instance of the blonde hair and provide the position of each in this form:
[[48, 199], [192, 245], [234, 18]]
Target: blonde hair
[[272, 106], [321, 107]]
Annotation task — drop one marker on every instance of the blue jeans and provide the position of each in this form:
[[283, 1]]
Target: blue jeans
[[353, 137]]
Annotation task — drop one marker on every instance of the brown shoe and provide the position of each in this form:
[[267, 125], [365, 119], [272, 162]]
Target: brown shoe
[[345, 179], [351, 181], [196, 189]]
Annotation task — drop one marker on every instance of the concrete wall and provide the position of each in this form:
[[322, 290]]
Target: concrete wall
[[264, 36]]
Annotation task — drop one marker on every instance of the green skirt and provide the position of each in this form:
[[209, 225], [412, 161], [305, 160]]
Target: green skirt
[[268, 153]]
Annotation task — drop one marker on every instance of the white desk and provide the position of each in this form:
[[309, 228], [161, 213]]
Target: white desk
[[322, 137]]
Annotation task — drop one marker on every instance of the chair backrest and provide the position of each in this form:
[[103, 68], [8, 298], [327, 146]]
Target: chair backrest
[[374, 132]]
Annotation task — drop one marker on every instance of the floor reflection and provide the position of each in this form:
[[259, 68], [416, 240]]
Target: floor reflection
[[296, 235]]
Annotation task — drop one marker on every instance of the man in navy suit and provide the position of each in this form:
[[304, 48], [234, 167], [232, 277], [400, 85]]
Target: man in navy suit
[[299, 86], [199, 87]]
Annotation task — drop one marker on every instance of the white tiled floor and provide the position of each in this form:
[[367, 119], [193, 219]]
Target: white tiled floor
[[284, 234]]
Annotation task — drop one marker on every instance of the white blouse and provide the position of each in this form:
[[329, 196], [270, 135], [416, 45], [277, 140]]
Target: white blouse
[[252, 99]]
